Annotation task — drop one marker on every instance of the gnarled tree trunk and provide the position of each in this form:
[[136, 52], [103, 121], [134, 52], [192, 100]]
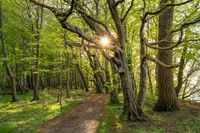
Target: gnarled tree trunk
[[131, 108]]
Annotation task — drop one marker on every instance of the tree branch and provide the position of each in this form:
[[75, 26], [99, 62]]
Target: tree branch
[[42, 4], [83, 45], [76, 30], [187, 24], [170, 47], [128, 10], [164, 7], [148, 57], [118, 2]]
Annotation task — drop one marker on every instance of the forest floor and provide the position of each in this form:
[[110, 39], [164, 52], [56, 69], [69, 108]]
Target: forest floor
[[26, 116], [84, 118], [187, 120]]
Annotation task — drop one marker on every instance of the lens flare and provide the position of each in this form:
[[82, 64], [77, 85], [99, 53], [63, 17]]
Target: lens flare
[[105, 41]]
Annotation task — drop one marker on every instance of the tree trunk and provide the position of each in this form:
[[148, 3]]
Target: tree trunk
[[99, 84], [68, 76], [113, 97], [8, 69], [115, 83], [39, 21], [150, 80], [107, 73], [143, 68], [167, 100], [131, 108], [180, 72]]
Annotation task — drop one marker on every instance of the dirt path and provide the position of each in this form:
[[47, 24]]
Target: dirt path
[[82, 119]]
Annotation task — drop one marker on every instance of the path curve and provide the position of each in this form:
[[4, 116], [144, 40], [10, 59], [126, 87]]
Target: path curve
[[82, 119]]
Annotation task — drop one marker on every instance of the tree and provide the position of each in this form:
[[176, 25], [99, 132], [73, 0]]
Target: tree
[[7, 66], [167, 100]]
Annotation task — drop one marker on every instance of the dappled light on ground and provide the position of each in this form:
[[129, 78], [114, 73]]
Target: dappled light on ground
[[82, 119], [26, 116]]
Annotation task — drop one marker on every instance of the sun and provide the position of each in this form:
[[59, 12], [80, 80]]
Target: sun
[[105, 41]]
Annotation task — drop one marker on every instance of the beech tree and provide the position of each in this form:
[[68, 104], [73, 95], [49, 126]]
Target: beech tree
[[167, 100], [10, 73]]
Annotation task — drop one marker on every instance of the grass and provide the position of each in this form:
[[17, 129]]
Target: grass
[[27, 117], [185, 121]]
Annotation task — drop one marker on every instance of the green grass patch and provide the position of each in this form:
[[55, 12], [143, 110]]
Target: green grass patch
[[160, 122], [27, 117]]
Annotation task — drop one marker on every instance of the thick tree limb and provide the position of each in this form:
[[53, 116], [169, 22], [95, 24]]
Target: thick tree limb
[[76, 30], [106, 55], [69, 12], [118, 2], [148, 57], [95, 20]]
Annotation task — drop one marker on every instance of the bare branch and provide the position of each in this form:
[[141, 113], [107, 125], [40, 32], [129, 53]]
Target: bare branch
[[83, 45], [42, 4], [186, 24], [165, 6], [192, 90], [128, 10], [69, 12], [118, 2], [170, 47]]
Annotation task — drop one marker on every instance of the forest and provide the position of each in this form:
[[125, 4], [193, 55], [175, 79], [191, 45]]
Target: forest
[[100, 66]]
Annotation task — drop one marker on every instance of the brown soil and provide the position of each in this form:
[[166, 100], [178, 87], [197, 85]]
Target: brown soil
[[82, 119]]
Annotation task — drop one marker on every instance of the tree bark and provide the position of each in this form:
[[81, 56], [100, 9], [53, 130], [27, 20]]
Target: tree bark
[[81, 74], [8, 69], [39, 21], [180, 72], [97, 76], [131, 108], [167, 100], [143, 68], [150, 80]]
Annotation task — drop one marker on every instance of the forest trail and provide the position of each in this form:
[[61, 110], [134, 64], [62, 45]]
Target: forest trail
[[82, 119]]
